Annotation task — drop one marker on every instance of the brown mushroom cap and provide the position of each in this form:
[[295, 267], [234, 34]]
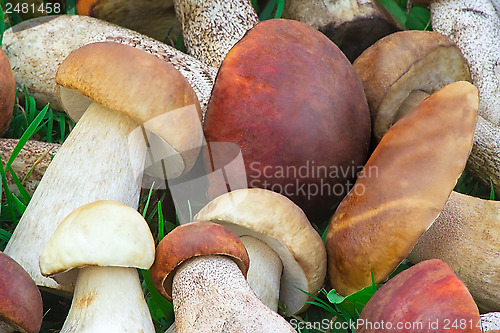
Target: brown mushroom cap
[[402, 63], [402, 188], [20, 300], [7, 92], [282, 225], [426, 294], [157, 97], [192, 240]]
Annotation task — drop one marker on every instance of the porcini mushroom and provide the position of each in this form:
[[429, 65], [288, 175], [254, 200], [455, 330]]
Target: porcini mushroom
[[154, 18], [352, 25], [201, 266], [103, 243], [402, 188], [7, 92], [104, 156], [427, 297], [211, 28], [30, 47], [305, 141], [287, 256], [466, 235], [21, 307]]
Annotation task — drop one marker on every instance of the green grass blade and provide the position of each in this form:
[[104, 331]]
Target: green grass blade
[[161, 225], [280, 6], [147, 201], [2, 27], [395, 10], [5, 235], [19, 184], [71, 7], [267, 12], [161, 303], [8, 194], [492, 191], [50, 123]]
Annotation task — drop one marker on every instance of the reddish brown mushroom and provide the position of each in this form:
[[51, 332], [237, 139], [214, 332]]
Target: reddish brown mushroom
[[7, 92], [20, 300], [427, 297], [288, 97]]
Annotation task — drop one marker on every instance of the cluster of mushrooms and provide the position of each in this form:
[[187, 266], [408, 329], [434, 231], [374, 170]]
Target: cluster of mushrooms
[[376, 132]]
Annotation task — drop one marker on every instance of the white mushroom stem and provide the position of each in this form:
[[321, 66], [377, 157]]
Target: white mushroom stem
[[264, 273], [210, 294], [100, 160], [35, 55], [490, 321], [211, 28], [108, 299]]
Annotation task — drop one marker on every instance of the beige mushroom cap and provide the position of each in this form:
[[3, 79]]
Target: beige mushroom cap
[[283, 226], [157, 97], [406, 62], [101, 233]]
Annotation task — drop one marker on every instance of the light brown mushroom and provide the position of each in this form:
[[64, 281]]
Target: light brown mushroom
[[105, 154], [466, 235], [402, 188], [201, 266], [287, 255]]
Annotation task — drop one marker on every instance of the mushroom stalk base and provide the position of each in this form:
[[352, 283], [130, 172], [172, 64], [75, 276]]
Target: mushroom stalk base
[[264, 273], [210, 294], [108, 299], [100, 160]]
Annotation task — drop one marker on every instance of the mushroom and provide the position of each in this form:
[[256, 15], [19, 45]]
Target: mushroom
[[352, 25], [402, 188], [474, 25], [201, 266], [21, 306], [102, 243], [287, 256], [306, 141], [104, 156], [490, 322], [30, 163], [427, 297], [7, 92], [36, 55], [466, 235], [211, 28], [154, 18]]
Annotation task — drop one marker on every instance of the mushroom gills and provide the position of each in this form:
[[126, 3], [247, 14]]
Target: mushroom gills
[[103, 297]]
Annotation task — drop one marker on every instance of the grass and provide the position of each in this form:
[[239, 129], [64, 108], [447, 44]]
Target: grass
[[30, 122]]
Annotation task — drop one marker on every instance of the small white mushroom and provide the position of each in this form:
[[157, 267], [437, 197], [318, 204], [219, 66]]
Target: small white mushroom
[[102, 243]]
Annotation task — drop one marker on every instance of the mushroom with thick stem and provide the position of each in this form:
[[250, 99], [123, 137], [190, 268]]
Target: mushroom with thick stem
[[21, 308], [201, 266], [210, 28], [353, 25], [306, 141], [104, 156], [424, 298], [102, 243], [287, 256], [154, 18], [7, 92], [466, 235], [36, 55], [402, 188]]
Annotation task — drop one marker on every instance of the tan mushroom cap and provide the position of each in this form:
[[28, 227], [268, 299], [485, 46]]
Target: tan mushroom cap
[[148, 90], [423, 294], [101, 233], [20, 300], [466, 235], [283, 226], [7, 92], [190, 240], [406, 62], [402, 188]]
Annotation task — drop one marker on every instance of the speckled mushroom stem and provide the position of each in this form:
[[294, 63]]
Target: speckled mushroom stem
[[108, 299], [211, 28], [4, 328], [474, 25], [99, 160], [264, 273], [35, 55], [210, 294]]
